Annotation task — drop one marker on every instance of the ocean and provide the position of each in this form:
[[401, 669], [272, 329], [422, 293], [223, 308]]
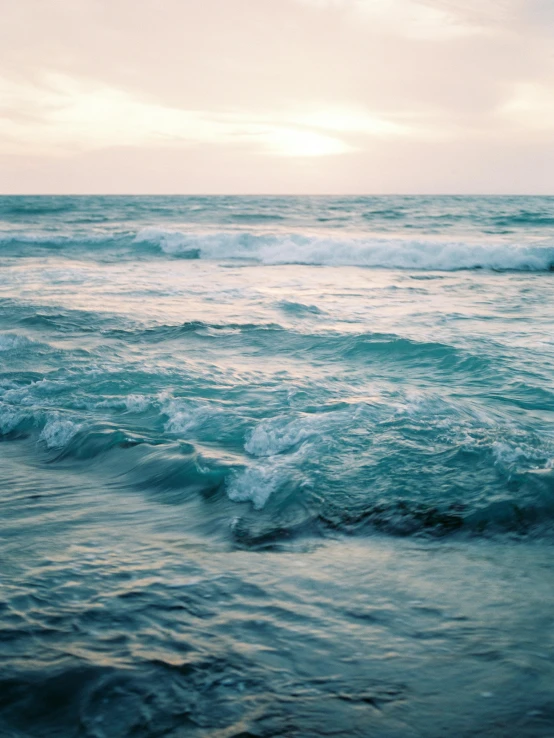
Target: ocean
[[276, 466]]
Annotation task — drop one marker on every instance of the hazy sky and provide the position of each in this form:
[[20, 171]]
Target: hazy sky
[[322, 96]]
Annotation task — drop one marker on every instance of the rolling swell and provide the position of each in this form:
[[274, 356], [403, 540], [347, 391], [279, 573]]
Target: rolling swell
[[399, 465], [361, 453], [272, 338]]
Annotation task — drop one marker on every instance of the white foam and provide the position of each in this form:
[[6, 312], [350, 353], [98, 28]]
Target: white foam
[[43, 391], [469, 426], [10, 418], [19, 396], [59, 239], [187, 415], [296, 248], [506, 455], [276, 435], [510, 454], [217, 331], [137, 403], [270, 441], [58, 431], [255, 484], [458, 425], [172, 242], [134, 403]]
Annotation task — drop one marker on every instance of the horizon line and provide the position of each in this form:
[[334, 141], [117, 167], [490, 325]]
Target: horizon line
[[275, 194]]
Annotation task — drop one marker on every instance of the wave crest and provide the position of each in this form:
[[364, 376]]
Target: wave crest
[[297, 248], [282, 247]]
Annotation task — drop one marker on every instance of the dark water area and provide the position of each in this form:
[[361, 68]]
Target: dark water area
[[276, 466]]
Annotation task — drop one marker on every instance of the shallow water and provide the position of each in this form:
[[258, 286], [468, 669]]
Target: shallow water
[[276, 466]]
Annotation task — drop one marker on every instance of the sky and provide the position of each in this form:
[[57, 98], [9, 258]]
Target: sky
[[277, 96]]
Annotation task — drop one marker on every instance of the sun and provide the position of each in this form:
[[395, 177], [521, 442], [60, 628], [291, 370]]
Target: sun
[[297, 142]]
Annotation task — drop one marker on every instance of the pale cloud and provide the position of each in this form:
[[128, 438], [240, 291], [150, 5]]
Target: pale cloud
[[66, 114], [531, 107], [425, 19], [338, 94], [352, 121]]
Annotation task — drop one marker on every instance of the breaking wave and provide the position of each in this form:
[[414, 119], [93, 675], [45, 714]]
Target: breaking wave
[[273, 248], [296, 248]]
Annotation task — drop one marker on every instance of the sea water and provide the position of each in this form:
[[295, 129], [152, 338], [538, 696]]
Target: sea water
[[276, 466]]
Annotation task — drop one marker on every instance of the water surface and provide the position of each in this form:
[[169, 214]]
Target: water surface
[[276, 466]]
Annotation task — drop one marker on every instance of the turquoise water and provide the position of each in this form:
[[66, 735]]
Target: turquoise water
[[276, 466]]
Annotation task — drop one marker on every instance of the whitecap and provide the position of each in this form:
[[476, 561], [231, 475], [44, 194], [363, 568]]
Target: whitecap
[[255, 484], [58, 431], [137, 403], [187, 415], [10, 418]]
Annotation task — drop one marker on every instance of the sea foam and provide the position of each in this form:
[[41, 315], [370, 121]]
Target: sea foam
[[296, 248], [58, 431]]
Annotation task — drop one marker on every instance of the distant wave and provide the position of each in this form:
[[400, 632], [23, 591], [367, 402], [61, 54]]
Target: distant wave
[[39, 207], [56, 241], [524, 218], [273, 248], [296, 248]]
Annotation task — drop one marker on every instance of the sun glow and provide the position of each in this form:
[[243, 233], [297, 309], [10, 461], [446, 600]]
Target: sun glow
[[294, 142], [74, 115]]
